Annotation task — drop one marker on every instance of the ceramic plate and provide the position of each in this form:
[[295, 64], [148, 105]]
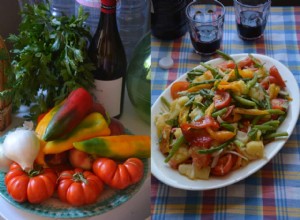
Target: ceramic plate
[[54, 208], [171, 177]]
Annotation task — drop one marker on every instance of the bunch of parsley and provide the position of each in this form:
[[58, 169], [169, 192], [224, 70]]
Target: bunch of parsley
[[49, 58]]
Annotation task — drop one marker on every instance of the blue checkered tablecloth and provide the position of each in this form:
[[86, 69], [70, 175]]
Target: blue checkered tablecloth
[[274, 191]]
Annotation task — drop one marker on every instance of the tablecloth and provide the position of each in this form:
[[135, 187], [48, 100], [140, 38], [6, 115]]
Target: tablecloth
[[274, 191]]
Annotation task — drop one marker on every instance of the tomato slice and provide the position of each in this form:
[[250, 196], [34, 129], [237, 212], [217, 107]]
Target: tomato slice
[[224, 165], [281, 104], [196, 137], [275, 73], [178, 86], [204, 122], [221, 99], [247, 62], [228, 64]]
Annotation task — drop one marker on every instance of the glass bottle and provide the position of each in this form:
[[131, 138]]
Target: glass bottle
[[107, 52]]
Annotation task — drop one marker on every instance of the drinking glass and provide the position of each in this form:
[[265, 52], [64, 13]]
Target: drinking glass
[[206, 21], [251, 17]]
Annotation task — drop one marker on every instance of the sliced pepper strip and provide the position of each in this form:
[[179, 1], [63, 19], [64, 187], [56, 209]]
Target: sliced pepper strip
[[221, 136], [210, 109], [245, 111], [199, 87]]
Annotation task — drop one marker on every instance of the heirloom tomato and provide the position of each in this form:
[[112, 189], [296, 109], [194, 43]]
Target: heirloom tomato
[[34, 186], [78, 187]]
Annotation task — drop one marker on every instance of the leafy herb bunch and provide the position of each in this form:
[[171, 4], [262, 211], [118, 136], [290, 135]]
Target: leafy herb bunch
[[49, 58]]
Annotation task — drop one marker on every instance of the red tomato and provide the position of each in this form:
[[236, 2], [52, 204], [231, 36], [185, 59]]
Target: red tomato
[[247, 62], [204, 122], [228, 64], [224, 165], [274, 72], [78, 187], [80, 159], [196, 137], [221, 99], [34, 187], [119, 176], [178, 86], [281, 104]]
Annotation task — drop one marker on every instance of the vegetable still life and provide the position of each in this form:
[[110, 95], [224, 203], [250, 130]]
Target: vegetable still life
[[72, 159]]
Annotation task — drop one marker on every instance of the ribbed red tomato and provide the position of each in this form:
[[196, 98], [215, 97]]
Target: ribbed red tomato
[[78, 187], [34, 186], [119, 176]]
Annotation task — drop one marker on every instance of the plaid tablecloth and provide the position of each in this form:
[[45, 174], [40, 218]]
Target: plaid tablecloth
[[274, 191]]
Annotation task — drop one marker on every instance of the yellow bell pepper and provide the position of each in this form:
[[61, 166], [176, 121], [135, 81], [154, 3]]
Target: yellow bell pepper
[[93, 125]]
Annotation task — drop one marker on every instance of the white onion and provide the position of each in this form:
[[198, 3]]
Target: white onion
[[242, 136], [22, 146]]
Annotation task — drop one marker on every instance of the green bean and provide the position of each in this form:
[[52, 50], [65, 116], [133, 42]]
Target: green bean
[[276, 111], [165, 102], [214, 149], [272, 123], [244, 101], [194, 73], [203, 82], [252, 82], [190, 102], [175, 148], [253, 133], [219, 112], [236, 71], [256, 119], [224, 55], [227, 126], [228, 57], [265, 127], [255, 61], [274, 135], [213, 70]]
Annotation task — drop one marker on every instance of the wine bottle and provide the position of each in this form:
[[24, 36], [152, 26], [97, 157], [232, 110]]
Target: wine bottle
[[107, 52]]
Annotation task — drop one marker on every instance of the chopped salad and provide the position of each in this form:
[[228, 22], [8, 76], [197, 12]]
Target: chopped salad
[[222, 116]]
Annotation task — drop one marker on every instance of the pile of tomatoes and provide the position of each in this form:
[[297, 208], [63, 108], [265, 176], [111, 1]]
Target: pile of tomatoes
[[75, 186]]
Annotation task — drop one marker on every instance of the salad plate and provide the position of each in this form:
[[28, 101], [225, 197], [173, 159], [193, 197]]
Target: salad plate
[[173, 178], [54, 208]]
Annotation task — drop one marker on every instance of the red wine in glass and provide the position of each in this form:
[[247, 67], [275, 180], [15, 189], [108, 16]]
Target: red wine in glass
[[251, 25], [205, 39]]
